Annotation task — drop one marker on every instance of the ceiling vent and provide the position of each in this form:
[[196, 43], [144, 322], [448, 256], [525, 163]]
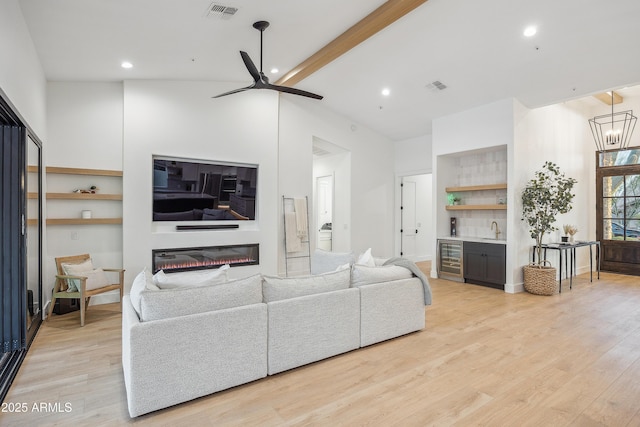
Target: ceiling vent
[[436, 86], [221, 12]]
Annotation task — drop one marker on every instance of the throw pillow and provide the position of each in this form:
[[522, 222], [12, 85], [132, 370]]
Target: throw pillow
[[279, 288], [168, 303], [191, 278], [364, 275], [366, 259], [95, 279], [325, 261], [76, 270], [143, 282]]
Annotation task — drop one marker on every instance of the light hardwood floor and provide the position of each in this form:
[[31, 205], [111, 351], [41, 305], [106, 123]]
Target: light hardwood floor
[[485, 358]]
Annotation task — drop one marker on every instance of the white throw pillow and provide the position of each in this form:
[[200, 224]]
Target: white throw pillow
[[191, 278], [96, 279], [364, 275], [279, 288], [325, 261], [143, 282], [76, 270], [366, 259]]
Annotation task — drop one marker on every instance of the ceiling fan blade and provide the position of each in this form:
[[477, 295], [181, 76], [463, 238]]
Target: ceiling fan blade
[[231, 92], [293, 91], [250, 66]]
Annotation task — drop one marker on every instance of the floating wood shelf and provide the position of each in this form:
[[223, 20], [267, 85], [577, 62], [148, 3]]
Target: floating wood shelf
[[77, 171], [82, 221], [475, 207], [476, 188], [84, 196]]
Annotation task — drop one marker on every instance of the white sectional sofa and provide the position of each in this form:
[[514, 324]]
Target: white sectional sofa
[[182, 343]]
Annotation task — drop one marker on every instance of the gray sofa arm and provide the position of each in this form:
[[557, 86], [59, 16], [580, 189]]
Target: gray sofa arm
[[170, 361], [391, 309]]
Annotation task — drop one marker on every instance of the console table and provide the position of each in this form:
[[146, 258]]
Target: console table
[[568, 252]]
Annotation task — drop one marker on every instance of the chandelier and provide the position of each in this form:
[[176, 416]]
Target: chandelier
[[613, 131]]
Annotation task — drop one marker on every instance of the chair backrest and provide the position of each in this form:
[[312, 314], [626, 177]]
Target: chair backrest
[[74, 259]]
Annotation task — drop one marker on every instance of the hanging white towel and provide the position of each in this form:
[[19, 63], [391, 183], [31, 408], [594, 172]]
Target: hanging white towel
[[302, 227], [292, 242]]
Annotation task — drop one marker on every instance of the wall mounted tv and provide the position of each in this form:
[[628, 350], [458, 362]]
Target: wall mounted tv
[[202, 190]]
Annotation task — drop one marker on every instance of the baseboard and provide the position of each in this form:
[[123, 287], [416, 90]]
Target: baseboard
[[512, 288]]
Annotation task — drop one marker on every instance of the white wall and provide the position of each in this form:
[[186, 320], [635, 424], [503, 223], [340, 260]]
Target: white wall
[[84, 122], [21, 75], [372, 169], [558, 133], [181, 119], [413, 156]]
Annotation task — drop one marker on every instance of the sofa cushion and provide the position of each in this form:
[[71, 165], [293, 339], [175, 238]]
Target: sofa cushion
[[363, 275], [191, 278], [279, 288], [325, 261], [143, 282], [167, 303]]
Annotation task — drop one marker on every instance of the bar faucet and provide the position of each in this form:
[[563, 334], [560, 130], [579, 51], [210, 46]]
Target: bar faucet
[[497, 229]]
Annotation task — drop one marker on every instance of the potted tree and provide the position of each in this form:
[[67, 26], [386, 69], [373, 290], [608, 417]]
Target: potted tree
[[545, 196]]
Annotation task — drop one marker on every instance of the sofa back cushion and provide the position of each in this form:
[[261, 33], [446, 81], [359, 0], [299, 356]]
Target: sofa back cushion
[[279, 288], [362, 275], [167, 303]]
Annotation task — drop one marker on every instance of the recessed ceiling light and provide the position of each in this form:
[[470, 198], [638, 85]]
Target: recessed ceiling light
[[126, 64], [386, 92], [530, 31], [274, 70]]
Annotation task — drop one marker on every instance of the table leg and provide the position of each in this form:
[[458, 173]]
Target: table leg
[[560, 275], [591, 263]]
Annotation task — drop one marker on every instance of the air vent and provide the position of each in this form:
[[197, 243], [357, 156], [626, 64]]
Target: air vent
[[436, 86], [221, 12]]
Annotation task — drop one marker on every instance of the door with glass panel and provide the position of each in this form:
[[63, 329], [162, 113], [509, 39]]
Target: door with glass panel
[[618, 210]]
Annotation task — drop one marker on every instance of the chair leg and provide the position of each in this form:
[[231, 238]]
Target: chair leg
[[82, 311]]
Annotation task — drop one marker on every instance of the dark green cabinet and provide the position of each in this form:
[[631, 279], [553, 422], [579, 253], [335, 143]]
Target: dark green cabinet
[[485, 264]]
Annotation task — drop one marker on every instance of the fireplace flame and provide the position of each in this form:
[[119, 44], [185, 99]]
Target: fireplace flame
[[173, 265]]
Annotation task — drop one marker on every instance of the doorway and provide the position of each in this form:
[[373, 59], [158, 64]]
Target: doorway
[[324, 211], [332, 196], [618, 210]]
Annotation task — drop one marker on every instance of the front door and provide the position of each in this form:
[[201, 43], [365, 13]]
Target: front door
[[618, 210]]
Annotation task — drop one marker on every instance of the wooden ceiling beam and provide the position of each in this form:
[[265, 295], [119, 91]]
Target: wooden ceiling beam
[[377, 20], [606, 97]]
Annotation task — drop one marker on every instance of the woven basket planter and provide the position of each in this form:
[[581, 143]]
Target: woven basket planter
[[540, 280]]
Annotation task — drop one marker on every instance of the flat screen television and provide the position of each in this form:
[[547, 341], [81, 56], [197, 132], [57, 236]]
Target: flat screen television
[[203, 190]]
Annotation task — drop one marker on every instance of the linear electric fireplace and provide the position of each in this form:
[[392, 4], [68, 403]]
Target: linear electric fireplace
[[183, 259]]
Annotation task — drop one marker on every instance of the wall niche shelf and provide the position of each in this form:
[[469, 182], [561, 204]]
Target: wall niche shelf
[[475, 207], [83, 221], [108, 173], [470, 188], [476, 188]]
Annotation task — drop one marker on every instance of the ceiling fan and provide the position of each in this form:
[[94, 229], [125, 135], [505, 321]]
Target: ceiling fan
[[260, 81]]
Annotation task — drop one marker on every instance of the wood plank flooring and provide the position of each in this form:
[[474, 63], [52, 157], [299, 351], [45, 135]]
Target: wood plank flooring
[[485, 358]]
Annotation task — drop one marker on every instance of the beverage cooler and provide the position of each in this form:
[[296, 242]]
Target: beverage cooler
[[450, 260]]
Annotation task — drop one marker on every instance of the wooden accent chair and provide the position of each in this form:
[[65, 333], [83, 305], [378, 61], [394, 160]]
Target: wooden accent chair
[[83, 294]]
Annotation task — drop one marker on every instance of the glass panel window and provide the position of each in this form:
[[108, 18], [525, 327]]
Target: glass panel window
[[620, 158], [632, 185], [612, 186], [633, 229]]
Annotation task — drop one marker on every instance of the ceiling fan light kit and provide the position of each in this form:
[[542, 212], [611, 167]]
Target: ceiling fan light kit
[[260, 81]]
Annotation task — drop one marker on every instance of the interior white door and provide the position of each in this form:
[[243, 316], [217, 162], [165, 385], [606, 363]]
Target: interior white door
[[409, 229]]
